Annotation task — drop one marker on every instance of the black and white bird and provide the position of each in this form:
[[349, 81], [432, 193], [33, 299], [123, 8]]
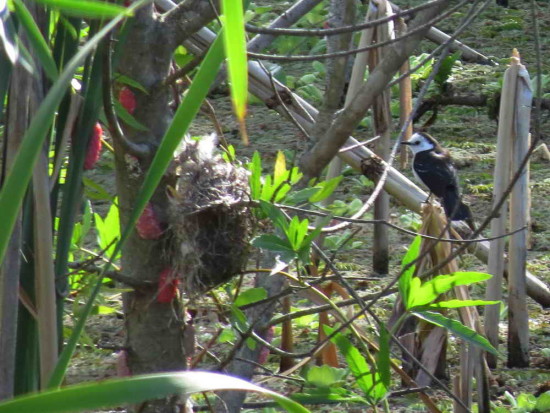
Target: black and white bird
[[433, 168]]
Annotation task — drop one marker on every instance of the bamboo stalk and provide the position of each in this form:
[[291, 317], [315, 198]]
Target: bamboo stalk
[[44, 271], [405, 100], [498, 225], [381, 115], [518, 317]]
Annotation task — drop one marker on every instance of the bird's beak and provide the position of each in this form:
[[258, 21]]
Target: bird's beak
[[405, 143]]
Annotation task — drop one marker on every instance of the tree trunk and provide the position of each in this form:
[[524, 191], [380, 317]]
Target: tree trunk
[[156, 332]]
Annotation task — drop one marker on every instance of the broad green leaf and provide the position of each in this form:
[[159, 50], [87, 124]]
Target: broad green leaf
[[36, 40], [430, 290], [297, 231], [324, 376], [458, 329], [275, 215], [327, 188], [106, 394], [365, 378], [88, 8], [240, 322], [273, 243], [543, 402], [250, 296], [108, 229], [453, 304], [235, 50], [414, 286], [383, 357], [408, 272]]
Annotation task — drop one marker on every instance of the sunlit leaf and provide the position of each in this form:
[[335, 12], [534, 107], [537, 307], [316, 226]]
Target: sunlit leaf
[[36, 39], [433, 288], [87, 8], [458, 329], [235, 50], [408, 271], [132, 390]]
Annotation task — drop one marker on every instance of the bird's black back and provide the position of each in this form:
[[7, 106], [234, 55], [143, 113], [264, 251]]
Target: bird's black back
[[437, 172]]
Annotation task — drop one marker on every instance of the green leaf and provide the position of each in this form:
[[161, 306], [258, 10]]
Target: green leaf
[[383, 357], [453, 304], [108, 229], [296, 232], [127, 118], [407, 275], [279, 170], [433, 288], [250, 296], [255, 180], [325, 395], [326, 189], [365, 378], [235, 50], [130, 82], [273, 243], [324, 376], [87, 8], [36, 40], [275, 215], [458, 329], [543, 402], [132, 390], [240, 322]]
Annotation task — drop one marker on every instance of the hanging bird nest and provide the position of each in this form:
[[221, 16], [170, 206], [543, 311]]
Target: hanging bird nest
[[209, 217]]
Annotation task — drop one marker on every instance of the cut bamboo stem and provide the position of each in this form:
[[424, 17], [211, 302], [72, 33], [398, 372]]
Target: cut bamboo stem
[[498, 224], [44, 272], [518, 317], [405, 100]]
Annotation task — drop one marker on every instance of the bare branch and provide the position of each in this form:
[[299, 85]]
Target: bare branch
[[186, 18]]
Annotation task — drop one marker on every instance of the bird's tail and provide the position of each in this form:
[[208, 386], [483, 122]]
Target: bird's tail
[[457, 210]]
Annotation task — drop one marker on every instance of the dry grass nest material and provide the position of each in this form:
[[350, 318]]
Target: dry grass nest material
[[209, 217]]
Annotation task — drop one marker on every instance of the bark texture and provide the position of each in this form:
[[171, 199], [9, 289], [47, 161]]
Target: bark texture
[[156, 332]]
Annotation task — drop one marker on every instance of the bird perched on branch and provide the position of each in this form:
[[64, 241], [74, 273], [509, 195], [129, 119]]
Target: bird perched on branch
[[433, 167]]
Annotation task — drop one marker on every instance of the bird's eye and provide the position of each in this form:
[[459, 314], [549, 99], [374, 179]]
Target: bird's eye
[[417, 143]]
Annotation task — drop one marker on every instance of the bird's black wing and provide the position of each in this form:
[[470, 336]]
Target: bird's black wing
[[436, 172]]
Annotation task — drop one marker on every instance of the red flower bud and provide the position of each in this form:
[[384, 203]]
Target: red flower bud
[[94, 148], [127, 99], [148, 225], [168, 286]]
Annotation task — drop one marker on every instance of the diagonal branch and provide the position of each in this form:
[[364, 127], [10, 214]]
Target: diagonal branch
[[313, 162], [187, 18]]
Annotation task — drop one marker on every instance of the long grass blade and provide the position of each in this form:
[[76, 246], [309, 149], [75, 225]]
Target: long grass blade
[[113, 393], [235, 50], [88, 8], [37, 40]]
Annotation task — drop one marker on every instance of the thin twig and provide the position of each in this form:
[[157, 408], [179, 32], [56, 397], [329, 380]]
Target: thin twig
[[309, 58], [340, 30]]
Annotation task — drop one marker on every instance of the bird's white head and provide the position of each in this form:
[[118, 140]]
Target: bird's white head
[[420, 142]]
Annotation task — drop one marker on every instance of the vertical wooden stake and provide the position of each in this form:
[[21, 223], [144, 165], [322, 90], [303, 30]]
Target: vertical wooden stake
[[382, 125], [518, 318], [405, 99], [498, 224]]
